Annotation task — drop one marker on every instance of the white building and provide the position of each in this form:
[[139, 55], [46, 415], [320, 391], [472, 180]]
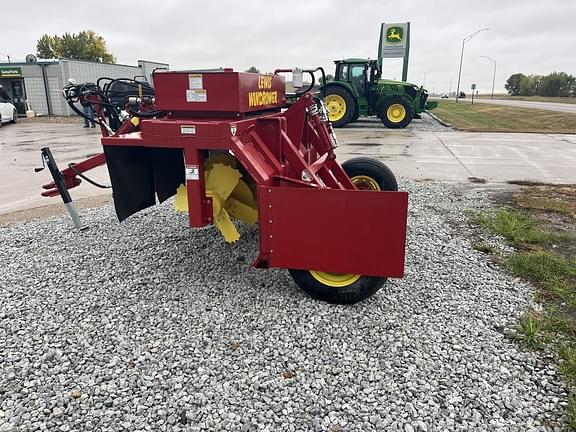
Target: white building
[[40, 82]]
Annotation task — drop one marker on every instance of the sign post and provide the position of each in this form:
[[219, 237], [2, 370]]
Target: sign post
[[473, 88], [395, 43]]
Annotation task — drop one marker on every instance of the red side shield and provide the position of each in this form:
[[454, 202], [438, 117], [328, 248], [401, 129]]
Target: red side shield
[[337, 231]]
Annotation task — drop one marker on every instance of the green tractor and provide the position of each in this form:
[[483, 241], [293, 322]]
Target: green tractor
[[358, 90]]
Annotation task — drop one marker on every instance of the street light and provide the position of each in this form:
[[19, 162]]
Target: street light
[[424, 80], [466, 39], [494, 75]]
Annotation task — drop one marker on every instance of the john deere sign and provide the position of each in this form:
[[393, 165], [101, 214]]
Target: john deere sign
[[394, 35], [395, 43], [10, 72]]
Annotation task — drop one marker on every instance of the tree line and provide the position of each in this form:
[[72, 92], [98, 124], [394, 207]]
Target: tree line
[[86, 45], [554, 84]]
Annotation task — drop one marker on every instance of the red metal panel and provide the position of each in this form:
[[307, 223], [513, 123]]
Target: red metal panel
[[339, 231], [222, 92]]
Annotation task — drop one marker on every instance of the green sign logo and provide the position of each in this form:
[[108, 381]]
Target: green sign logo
[[394, 34], [10, 72]]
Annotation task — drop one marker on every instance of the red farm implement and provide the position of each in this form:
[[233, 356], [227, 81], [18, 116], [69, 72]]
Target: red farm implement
[[229, 146]]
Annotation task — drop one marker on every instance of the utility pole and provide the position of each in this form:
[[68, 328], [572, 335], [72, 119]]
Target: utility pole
[[424, 80], [466, 39], [493, 75]]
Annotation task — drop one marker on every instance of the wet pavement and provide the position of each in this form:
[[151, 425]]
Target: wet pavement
[[20, 146], [425, 151], [440, 154]]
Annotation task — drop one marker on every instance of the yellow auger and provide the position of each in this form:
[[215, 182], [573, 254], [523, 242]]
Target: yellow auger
[[231, 196]]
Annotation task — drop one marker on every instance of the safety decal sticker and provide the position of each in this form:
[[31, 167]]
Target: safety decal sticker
[[192, 172], [195, 82], [196, 96], [188, 130]]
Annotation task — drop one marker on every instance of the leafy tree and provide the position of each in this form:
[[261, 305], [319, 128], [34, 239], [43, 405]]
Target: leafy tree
[[513, 84], [530, 85], [556, 84], [252, 69], [86, 45]]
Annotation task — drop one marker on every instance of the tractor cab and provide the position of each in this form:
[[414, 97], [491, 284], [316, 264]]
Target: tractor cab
[[359, 73]]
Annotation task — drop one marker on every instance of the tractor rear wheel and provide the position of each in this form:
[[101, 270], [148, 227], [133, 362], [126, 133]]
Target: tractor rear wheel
[[396, 113], [340, 105], [366, 174]]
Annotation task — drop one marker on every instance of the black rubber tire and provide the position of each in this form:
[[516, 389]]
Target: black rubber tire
[[382, 114], [14, 117], [356, 115], [353, 293], [350, 105], [374, 169], [366, 285]]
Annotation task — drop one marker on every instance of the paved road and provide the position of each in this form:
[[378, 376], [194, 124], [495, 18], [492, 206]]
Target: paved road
[[548, 106], [424, 151]]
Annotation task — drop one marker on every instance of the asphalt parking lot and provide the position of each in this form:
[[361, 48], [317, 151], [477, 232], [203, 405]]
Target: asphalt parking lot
[[425, 151]]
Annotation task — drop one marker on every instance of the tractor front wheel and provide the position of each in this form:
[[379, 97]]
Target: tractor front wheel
[[340, 105], [340, 288], [396, 113]]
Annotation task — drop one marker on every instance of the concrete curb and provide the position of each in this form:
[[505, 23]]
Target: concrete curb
[[439, 120]]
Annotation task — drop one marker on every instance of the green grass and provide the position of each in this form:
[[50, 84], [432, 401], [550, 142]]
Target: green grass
[[498, 118], [483, 247], [541, 262], [554, 273], [518, 227], [528, 331]]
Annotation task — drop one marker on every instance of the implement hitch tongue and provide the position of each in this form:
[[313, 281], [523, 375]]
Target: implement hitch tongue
[[48, 160]]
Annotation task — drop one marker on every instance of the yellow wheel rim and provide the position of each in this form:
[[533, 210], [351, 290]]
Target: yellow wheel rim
[[335, 280], [396, 113], [336, 106], [364, 182]]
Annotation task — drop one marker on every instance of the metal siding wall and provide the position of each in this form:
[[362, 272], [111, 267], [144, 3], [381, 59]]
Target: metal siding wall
[[35, 88], [58, 74], [90, 72], [55, 85], [148, 67]]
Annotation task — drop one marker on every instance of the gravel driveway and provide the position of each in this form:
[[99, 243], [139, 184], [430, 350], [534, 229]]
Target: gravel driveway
[[150, 325]]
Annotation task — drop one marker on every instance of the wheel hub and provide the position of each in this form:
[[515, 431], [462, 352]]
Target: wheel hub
[[336, 106], [335, 280], [396, 113], [364, 182]]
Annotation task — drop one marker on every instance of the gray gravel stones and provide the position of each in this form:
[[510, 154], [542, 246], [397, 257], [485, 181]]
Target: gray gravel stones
[[151, 325], [425, 123]]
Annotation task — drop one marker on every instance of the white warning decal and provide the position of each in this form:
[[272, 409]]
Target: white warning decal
[[192, 172]]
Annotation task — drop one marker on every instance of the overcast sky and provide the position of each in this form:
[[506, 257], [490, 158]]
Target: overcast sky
[[528, 36]]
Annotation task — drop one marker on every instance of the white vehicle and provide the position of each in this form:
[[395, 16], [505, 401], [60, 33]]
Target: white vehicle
[[8, 111]]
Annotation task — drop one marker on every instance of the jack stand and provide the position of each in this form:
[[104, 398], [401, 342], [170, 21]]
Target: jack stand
[[48, 160]]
